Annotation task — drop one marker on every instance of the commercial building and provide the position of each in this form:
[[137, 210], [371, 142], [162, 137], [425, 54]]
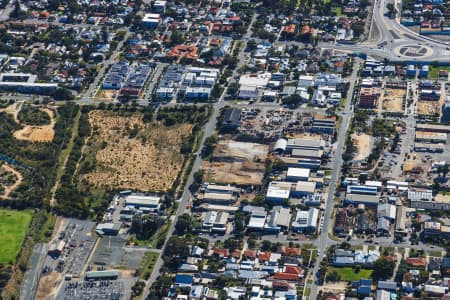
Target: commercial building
[[304, 188], [362, 190], [219, 198], [386, 210], [151, 20], [278, 220], [431, 137], [257, 219], [297, 174], [159, 6], [108, 228], [143, 202], [278, 192], [306, 221], [25, 83], [400, 222], [323, 124], [232, 118], [356, 199], [216, 221]]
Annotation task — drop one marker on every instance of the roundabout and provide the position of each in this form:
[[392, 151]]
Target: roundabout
[[413, 51]]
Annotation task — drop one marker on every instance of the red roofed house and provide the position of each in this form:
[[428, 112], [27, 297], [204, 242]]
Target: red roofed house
[[236, 253], [285, 276], [250, 253], [417, 262], [289, 28], [290, 251], [264, 256], [293, 270], [221, 252], [184, 51]]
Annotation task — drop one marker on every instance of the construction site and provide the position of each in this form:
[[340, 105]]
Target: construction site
[[238, 163]]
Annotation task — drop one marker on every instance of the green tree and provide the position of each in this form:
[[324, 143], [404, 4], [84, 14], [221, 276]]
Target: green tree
[[383, 269], [184, 224], [63, 94]]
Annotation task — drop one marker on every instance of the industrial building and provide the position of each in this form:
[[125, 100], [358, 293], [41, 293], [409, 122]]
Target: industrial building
[[216, 221], [278, 192], [304, 188], [143, 202], [278, 220], [306, 221], [431, 137], [297, 174], [108, 228]]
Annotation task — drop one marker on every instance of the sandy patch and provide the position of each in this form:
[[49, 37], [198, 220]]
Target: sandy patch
[[364, 144], [44, 133]]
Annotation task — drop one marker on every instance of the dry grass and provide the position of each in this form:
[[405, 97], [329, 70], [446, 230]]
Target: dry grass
[[237, 162], [393, 100], [48, 284], [150, 161], [428, 107], [44, 133], [363, 142]]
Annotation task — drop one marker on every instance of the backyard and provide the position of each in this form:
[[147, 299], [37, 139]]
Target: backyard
[[349, 274]]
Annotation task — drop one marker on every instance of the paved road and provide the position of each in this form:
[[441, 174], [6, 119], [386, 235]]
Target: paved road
[[86, 99], [31, 279], [324, 240], [208, 131]]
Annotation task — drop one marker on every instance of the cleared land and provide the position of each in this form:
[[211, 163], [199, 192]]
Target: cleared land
[[43, 133], [364, 144], [131, 154], [236, 162], [428, 107], [393, 100], [348, 274], [13, 228]]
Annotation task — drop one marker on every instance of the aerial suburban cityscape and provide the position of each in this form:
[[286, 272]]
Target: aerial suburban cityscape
[[225, 149]]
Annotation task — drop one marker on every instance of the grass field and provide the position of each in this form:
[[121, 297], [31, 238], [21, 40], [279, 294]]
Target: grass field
[[13, 227], [434, 71], [348, 274]]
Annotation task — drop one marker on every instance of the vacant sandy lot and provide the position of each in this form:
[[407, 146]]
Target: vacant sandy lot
[[107, 94], [237, 162], [44, 133], [364, 144], [148, 161], [428, 107], [393, 100]]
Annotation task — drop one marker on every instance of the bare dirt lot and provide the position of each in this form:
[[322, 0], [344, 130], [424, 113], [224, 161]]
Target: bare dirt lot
[[236, 162], [44, 133], [131, 154], [428, 107], [107, 94], [13, 110], [393, 100], [364, 144]]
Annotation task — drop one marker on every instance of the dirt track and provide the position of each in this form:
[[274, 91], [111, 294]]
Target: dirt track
[[44, 133]]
